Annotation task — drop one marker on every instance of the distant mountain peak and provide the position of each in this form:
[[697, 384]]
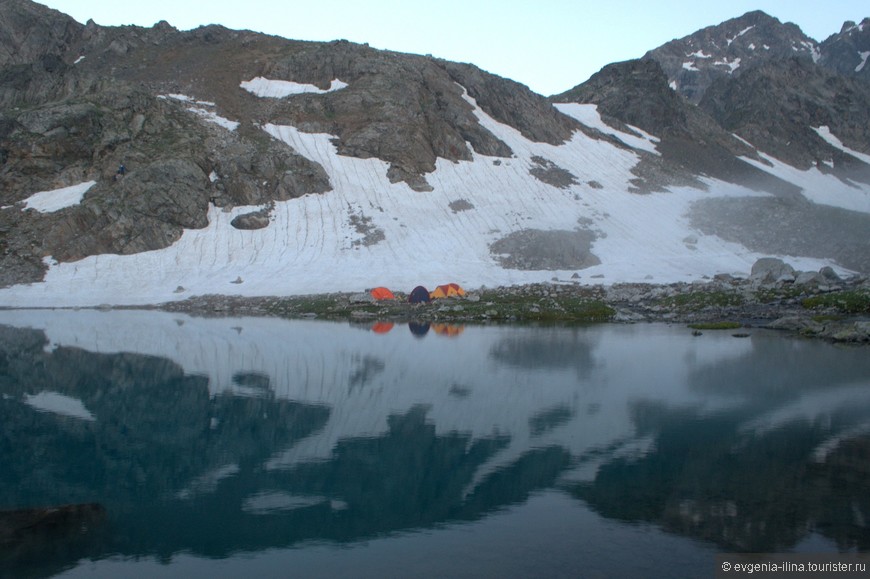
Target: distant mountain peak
[[693, 62]]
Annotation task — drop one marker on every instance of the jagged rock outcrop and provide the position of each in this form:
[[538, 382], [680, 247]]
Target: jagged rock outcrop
[[848, 51]]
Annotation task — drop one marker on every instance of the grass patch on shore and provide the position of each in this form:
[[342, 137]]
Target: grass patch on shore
[[696, 301], [771, 295], [848, 302], [531, 308], [498, 306], [716, 326]]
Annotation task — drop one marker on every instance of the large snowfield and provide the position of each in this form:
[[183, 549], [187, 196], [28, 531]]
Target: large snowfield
[[369, 232]]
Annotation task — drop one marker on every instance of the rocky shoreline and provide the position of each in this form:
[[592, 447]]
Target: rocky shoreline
[[814, 304]]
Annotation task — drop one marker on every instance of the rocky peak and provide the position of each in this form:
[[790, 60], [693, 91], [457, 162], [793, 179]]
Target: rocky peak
[[848, 51], [30, 32], [692, 63]]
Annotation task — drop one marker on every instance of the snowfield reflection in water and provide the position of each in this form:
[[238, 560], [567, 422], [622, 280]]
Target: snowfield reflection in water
[[266, 442]]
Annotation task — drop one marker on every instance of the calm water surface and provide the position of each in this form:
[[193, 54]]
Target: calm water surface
[[185, 447]]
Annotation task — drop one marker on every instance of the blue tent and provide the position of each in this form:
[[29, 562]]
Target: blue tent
[[419, 295]]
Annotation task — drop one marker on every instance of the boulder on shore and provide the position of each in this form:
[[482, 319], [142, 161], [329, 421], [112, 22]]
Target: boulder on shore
[[770, 270]]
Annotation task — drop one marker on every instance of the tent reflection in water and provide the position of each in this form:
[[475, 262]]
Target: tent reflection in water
[[382, 327], [418, 329], [449, 290], [449, 330], [382, 293], [419, 295]]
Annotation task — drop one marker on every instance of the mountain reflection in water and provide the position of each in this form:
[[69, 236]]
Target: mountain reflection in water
[[223, 436]]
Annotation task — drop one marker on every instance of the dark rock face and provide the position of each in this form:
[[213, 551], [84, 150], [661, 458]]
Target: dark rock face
[[848, 51], [513, 104], [692, 63], [776, 105], [31, 33]]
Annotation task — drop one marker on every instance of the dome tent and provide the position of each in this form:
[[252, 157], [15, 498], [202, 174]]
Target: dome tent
[[447, 291], [419, 295], [382, 293]]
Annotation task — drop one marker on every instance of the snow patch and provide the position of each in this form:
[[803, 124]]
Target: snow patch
[[816, 186], [589, 116], [79, 59], [825, 132], [57, 199], [215, 118], [266, 88], [699, 54], [732, 65], [208, 115], [56, 403], [738, 35], [690, 66], [742, 140], [863, 56], [186, 99]]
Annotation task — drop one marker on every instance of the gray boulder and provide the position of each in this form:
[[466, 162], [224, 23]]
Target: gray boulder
[[770, 269], [251, 221], [829, 274], [809, 278]]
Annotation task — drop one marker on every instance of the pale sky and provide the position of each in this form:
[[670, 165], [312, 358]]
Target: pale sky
[[549, 45]]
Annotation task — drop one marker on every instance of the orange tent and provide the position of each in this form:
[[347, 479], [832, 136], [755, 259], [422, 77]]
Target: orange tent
[[447, 291], [382, 293]]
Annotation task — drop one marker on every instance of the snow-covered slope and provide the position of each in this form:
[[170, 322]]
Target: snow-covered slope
[[368, 231]]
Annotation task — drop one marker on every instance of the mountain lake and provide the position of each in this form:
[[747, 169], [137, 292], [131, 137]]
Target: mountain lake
[[150, 444]]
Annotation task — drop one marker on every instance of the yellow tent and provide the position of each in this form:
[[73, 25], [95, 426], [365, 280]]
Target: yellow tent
[[449, 290]]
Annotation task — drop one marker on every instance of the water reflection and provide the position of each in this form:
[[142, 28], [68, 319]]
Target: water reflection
[[219, 436], [706, 477], [545, 348]]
